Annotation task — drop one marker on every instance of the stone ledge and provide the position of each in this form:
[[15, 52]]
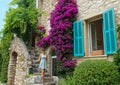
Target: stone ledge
[[3, 84]]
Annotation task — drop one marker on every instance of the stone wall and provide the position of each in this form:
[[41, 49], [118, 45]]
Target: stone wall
[[91, 8], [18, 69], [46, 7]]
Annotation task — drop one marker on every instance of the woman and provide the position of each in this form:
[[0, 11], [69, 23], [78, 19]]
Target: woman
[[43, 60]]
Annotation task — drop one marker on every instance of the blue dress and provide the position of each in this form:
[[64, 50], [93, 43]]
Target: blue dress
[[42, 64]]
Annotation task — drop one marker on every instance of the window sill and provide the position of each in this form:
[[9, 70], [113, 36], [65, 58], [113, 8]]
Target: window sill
[[96, 57]]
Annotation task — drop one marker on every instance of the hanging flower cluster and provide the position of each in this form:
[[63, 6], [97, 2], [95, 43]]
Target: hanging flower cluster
[[69, 63], [40, 31], [44, 42], [61, 22]]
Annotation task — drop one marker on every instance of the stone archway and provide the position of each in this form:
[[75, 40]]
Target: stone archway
[[50, 60], [12, 66], [18, 69]]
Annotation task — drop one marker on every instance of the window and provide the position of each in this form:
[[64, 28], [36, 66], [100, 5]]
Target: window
[[101, 32], [96, 37]]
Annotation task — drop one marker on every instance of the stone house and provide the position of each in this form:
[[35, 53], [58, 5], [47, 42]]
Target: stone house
[[94, 30], [95, 35]]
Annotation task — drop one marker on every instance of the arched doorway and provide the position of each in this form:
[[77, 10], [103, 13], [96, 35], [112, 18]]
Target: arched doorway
[[12, 68], [18, 68], [52, 57]]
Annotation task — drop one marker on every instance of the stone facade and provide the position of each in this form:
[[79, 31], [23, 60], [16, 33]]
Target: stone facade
[[18, 69], [88, 9], [46, 7], [91, 8]]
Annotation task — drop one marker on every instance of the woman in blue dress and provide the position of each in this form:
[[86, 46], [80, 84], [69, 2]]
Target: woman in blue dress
[[42, 65]]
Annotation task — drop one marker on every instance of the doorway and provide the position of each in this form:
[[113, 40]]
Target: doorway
[[12, 68], [54, 62]]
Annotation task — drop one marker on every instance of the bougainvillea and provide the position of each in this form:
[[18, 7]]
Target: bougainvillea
[[40, 31], [70, 63], [61, 22], [61, 33], [44, 42]]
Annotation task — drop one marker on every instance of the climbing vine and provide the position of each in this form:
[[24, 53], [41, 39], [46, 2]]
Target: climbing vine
[[21, 20]]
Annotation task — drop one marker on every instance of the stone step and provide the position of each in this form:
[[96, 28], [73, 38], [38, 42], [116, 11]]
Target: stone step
[[34, 54], [46, 74], [35, 65], [36, 51], [34, 57], [46, 83], [32, 48], [38, 79], [36, 70], [3, 84]]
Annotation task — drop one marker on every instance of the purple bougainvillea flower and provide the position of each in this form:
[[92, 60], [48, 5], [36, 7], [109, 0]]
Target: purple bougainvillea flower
[[61, 35], [40, 27], [70, 63]]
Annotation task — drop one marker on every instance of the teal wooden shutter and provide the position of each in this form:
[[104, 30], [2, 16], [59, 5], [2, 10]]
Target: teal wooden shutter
[[110, 40], [78, 38]]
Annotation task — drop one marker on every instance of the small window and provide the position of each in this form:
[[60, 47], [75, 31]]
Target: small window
[[96, 37]]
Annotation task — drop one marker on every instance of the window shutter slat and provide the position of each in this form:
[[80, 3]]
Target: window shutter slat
[[110, 40], [78, 38]]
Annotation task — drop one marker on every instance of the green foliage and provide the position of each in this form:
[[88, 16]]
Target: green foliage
[[67, 81], [4, 45], [0, 60], [96, 72], [62, 81], [118, 30], [117, 55], [63, 71], [117, 59], [21, 20], [60, 69]]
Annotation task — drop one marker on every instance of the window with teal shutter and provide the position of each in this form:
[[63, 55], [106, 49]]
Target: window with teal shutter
[[110, 40], [78, 38]]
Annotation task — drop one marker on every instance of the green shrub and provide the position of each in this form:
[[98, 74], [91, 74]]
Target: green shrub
[[117, 59], [117, 55], [62, 71], [5, 45], [96, 72], [0, 61], [62, 81]]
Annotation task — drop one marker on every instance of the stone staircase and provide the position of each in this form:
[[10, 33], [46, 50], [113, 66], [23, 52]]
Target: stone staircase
[[48, 80], [36, 80], [34, 54]]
